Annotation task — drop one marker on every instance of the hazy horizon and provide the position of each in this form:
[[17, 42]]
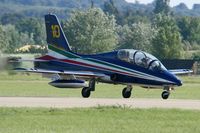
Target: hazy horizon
[[173, 3]]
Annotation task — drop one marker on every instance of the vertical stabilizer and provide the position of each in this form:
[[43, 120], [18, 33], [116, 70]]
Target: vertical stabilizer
[[55, 34]]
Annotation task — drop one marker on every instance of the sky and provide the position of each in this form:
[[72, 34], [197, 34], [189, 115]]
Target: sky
[[189, 3]]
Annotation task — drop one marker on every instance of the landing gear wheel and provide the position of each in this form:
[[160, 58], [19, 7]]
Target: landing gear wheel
[[126, 93], [165, 94], [85, 92]]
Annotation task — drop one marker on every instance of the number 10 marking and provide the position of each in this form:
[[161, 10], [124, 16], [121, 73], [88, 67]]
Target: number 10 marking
[[55, 31]]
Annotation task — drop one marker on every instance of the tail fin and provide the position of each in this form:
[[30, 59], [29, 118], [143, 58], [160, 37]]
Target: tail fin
[[55, 34]]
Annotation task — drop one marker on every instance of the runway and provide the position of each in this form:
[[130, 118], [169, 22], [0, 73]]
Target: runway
[[94, 102]]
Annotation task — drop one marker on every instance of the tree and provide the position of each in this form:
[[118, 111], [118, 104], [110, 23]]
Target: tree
[[111, 9], [32, 26], [131, 16], [184, 26], [167, 43], [8, 18], [194, 30], [26, 39], [137, 36], [91, 31], [162, 6], [13, 37], [3, 40], [92, 4], [190, 31]]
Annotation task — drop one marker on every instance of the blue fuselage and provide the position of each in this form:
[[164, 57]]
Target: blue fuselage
[[118, 70]]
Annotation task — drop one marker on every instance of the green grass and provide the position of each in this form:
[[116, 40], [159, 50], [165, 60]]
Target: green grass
[[35, 85], [98, 120]]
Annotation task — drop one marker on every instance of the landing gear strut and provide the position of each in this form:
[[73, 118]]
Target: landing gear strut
[[165, 94], [86, 91], [126, 92]]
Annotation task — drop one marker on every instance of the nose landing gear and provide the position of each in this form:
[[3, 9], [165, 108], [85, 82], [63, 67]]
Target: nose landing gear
[[166, 93]]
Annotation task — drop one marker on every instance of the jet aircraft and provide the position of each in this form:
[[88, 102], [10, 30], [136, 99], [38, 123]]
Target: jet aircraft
[[128, 67]]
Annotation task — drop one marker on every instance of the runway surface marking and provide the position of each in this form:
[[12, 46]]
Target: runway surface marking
[[94, 102]]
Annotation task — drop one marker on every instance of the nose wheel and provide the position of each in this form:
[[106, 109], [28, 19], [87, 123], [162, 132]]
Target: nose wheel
[[126, 92], [165, 94]]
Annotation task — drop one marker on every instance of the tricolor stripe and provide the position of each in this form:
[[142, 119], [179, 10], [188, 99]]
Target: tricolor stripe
[[70, 58]]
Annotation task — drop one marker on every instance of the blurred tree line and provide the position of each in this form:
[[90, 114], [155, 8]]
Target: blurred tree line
[[95, 30], [17, 31]]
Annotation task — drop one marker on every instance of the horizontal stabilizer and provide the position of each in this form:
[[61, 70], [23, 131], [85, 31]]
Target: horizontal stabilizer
[[181, 71], [28, 60]]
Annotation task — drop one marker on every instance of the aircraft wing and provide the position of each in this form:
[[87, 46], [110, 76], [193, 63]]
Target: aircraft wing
[[181, 71], [78, 73]]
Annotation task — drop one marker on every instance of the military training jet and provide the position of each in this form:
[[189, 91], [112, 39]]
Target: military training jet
[[128, 67]]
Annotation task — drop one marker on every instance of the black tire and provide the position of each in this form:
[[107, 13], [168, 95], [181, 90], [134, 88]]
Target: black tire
[[85, 92], [165, 95], [126, 93]]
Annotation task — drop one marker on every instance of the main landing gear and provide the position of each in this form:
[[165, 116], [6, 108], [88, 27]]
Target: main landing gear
[[126, 92], [86, 91], [166, 93]]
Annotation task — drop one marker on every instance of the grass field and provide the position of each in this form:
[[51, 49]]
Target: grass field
[[98, 120], [35, 85]]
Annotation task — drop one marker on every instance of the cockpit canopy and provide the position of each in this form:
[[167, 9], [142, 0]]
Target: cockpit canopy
[[141, 59]]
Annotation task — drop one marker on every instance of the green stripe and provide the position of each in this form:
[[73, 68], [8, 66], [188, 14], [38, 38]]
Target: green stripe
[[71, 55], [65, 53]]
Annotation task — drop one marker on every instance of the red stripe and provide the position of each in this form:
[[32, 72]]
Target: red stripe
[[84, 64], [47, 57]]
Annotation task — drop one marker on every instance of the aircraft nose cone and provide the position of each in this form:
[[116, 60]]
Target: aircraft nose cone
[[179, 82], [176, 81]]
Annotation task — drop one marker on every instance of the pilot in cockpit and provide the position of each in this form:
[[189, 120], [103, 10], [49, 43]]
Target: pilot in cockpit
[[144, 62]]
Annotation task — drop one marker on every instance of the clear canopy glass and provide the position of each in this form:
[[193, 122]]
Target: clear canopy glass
[[141, 59]]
